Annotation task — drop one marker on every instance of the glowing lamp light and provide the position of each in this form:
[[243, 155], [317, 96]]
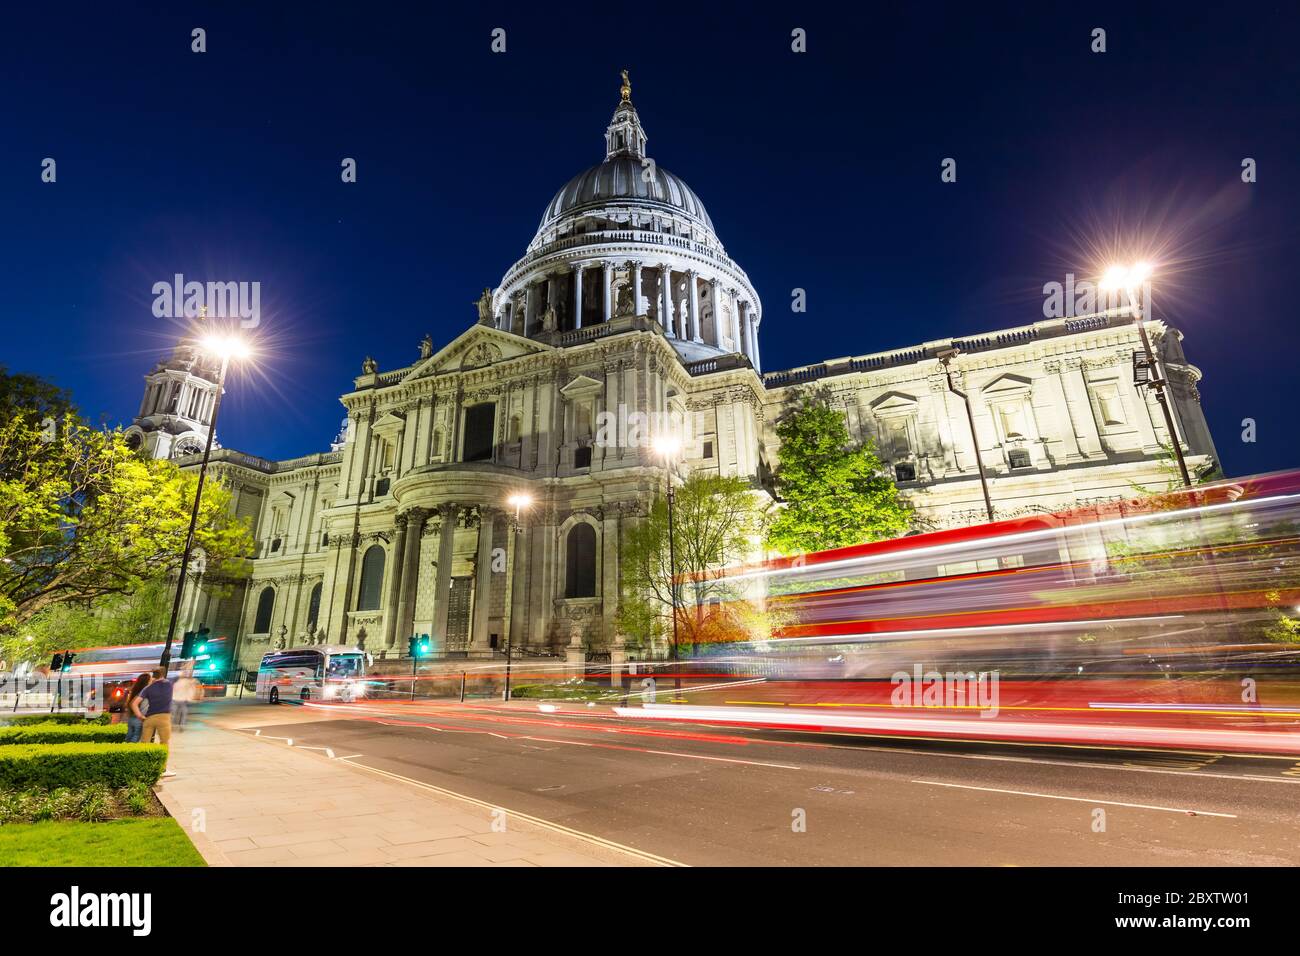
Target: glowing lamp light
[[519, 501], [226, 346], [1126, 277], [665, 446]]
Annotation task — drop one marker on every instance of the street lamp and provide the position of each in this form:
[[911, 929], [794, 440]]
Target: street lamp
[[945, 357], [519, 501], [1128, 279], [226, 347], [667, 447]]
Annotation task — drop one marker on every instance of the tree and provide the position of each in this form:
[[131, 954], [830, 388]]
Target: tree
[[83, 516], [715, 522], [834, 492], [32, 398], [134, 618]]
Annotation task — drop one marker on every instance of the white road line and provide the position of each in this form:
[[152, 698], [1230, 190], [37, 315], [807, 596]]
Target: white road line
[[751, 763], [1003, 758], [536, 821], [329, 753], [1053, 796]]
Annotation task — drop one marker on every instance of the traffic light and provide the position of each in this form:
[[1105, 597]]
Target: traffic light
[[187, 644], [68, 657], [201, 639], [420, 645], [57, 663]]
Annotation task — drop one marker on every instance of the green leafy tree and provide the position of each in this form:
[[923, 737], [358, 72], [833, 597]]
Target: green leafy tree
[[834, 492], [716, 522], [82, 516], [114, 619]]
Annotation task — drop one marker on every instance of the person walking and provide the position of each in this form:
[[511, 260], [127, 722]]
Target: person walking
[[158, 720], [184, 693], [134, 724]]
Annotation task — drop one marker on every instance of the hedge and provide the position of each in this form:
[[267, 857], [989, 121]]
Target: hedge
[[18, 720], [46, 766], [63, 734]]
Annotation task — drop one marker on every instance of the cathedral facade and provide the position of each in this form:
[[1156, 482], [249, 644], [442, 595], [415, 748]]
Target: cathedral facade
[[624, 309]]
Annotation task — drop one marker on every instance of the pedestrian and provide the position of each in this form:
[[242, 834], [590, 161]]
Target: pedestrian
[[134, 724], [184, 693], [158, 721]]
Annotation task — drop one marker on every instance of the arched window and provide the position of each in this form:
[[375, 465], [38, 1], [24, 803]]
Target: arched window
[[580, 563], [372, 578], [265, 605], [313, 608]]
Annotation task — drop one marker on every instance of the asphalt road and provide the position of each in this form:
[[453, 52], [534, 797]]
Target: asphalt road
[[727, 796]]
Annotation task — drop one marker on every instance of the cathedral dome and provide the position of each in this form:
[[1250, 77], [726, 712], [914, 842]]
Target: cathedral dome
[[624, 177]]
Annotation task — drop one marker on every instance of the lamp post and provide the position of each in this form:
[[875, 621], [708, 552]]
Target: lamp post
[[945, 357], [1128, 279], [226, 347], [519, 501], [667, 447]]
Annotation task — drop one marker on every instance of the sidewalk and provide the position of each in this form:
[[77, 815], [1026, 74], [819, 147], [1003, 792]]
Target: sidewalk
[[251, 802]]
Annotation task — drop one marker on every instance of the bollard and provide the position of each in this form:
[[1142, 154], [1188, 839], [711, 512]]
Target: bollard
[[462, 687]]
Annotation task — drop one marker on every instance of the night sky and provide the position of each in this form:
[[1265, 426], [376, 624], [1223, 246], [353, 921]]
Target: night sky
[[820, 171]]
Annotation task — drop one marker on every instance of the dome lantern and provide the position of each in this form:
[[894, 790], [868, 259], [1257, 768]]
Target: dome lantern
[[624, 135]]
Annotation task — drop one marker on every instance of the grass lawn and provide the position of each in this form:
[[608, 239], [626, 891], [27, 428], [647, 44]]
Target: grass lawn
[[148, 841]]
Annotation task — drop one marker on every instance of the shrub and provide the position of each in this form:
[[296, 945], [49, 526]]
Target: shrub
[[88, 733], [137, 798], [94, 803], [49, 766], [16, 720]]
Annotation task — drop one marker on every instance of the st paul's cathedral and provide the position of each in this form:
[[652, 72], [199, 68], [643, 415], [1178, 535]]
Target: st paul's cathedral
[[625, 301]]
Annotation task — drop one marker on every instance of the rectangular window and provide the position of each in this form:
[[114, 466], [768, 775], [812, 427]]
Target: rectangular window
[[708, 449], [480, 423], [582, 457], [1019, 458], [1110, 406]]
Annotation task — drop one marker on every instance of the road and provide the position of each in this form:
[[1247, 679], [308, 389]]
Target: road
[[733, 796]]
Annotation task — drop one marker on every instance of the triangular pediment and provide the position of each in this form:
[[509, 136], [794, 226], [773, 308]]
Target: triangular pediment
[[1007, 384], [580, 386], [894, 402], [476, 347]]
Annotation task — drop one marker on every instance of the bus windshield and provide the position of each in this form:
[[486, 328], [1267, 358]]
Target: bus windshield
[[344, 665]]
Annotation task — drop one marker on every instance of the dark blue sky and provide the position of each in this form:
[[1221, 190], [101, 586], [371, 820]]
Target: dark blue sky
[[820, 171]]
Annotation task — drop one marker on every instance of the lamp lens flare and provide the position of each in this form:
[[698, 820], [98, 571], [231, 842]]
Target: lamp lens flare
[[666, 445], [226, 346]]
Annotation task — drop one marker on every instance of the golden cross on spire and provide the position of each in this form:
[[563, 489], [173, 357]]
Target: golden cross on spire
[[626, 89]]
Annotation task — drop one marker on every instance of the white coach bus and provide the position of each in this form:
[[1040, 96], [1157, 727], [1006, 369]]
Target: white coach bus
[[322, 672]]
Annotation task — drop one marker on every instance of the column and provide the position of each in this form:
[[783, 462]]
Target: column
[[446, 546], [518, 320], [666, 298], [577, 295], [742, 320], [607, 282], [636, 288], [410, 572], [693, 330], [483, 579], [550, 293], [530, 305], [717, 312], [397, 562], [753, 344]]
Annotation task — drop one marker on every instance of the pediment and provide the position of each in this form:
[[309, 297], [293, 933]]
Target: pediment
[[581, 385], [1007, 384], [476, 347], [894, 402], [390, 425]]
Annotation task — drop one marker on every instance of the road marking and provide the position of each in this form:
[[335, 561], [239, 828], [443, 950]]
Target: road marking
[[1053, 796], [328, 752], [536, 821], [258, 733], [752, 763]]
